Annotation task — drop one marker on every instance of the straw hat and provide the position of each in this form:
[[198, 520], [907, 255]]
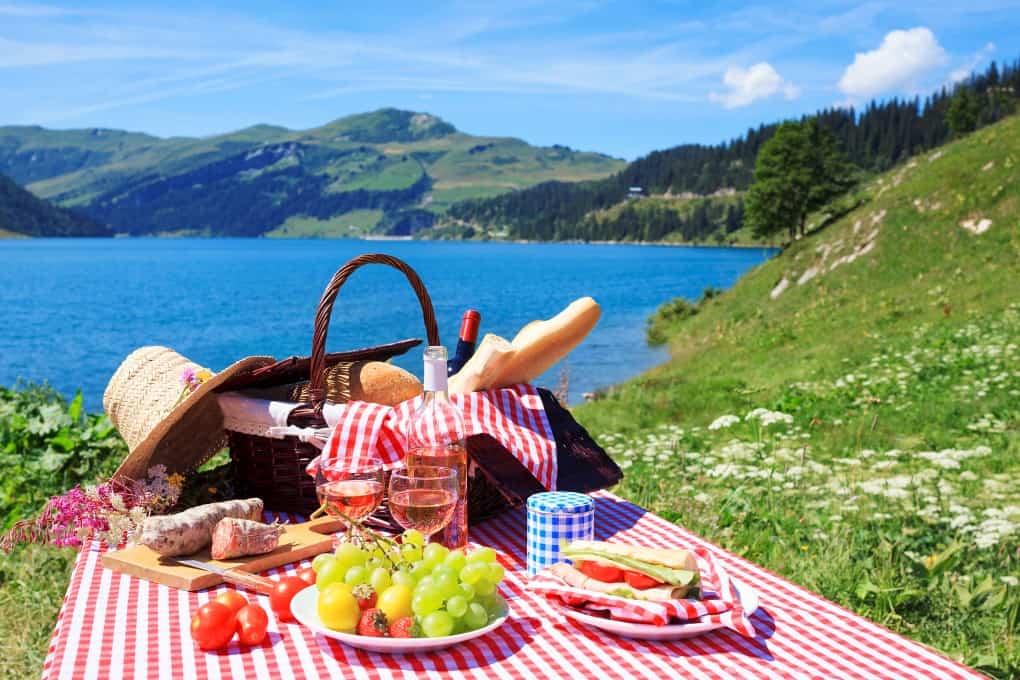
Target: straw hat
[[165, 408]]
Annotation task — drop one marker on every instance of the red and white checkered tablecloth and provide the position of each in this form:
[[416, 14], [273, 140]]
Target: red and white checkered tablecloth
[[113, 626]]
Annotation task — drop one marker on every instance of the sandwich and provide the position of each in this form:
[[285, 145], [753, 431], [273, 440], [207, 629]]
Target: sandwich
[[630, 571]]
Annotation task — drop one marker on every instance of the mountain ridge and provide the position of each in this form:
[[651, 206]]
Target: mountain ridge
[[410, 165], [24, 214]]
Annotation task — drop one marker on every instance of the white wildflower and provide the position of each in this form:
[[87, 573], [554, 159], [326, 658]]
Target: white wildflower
[[723, 422]]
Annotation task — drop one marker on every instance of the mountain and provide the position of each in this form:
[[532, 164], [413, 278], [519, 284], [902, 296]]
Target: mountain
[[387, 170], [875, 138], [888, 339], [24, 214]]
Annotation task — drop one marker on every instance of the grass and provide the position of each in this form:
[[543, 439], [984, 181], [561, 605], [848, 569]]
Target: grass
[[32, 583], [349, 224], [444, 194], [893, 488], [391, 176]]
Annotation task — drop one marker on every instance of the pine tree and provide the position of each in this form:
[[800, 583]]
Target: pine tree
[[963, 112], [798, 171]]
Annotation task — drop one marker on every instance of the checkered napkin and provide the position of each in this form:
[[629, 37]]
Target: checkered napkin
[[514, 416], [719, 604]]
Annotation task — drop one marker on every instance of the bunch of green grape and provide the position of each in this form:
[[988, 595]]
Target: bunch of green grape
[[446, 591]]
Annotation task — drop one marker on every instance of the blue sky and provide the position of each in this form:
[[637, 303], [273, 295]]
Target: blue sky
[[619, 77]]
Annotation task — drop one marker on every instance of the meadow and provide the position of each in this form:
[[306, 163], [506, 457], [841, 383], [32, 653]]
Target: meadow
[[847, 415], [920, 533]]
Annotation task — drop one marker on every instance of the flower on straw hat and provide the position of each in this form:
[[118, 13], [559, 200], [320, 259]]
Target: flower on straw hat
[[165, 407]]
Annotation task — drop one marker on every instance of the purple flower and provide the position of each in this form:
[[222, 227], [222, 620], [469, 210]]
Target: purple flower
[[188, 377]]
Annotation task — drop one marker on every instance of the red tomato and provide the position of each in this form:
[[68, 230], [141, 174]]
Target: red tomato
[[308, 576], [639, 581], [234, 600], [283, 593], [212, 626], [600, 572], [252, 622]]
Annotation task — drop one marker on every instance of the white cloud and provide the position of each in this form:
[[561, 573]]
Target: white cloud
[[749, 85], [964, 71], [897, 64]]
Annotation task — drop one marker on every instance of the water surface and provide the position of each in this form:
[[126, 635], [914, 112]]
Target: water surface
[[72, 309]]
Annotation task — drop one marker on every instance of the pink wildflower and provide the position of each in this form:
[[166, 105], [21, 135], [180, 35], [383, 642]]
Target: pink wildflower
[[188, 378]]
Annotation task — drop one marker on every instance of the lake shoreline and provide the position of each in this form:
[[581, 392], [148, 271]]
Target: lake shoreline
[[14, 236]]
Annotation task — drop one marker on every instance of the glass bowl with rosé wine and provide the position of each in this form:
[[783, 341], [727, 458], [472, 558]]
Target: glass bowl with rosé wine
[[351, 495], [423, 497]]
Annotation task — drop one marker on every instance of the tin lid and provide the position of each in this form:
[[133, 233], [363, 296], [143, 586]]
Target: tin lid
[[560, 501]]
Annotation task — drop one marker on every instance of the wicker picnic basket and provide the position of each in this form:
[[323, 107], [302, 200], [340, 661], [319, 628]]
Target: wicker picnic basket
[[274, 469]]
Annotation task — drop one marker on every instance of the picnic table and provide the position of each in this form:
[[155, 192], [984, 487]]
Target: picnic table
[[112, 625]]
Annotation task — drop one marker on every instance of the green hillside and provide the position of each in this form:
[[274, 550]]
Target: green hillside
[[23, 214], [874, 138], [884, 470], [253, 181]]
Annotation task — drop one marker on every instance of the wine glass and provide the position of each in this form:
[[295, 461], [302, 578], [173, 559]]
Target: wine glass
[[423, 497], [351, 495]]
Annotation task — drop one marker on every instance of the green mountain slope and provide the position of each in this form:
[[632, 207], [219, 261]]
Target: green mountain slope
[[874, 138], [403, 165], [884, 470], [24, 214]]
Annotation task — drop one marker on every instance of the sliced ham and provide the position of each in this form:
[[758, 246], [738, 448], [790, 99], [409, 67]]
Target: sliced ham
[[234, 537]]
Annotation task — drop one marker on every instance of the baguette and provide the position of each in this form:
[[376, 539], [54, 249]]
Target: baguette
[[482, 368], [540, 344]]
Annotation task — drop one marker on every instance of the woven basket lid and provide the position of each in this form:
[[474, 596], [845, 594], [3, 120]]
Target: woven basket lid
[[565, 502], [162, 419]]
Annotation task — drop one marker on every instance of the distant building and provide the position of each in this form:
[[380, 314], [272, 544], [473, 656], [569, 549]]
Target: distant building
[[635, 192]]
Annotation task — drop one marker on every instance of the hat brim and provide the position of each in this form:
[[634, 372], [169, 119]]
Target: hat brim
[[192, 433]]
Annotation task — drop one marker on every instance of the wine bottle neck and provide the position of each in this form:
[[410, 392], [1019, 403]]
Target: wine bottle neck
[[435, 375]]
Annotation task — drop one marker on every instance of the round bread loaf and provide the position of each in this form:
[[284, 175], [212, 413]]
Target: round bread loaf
[[372, 381], [381, 383]]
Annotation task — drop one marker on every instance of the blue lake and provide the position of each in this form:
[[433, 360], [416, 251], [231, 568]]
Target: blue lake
[[71, 310]]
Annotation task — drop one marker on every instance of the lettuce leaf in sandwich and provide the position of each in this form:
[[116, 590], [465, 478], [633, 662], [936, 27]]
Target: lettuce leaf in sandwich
[[676, 568]]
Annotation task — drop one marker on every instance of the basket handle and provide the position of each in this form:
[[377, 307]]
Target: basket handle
[[317, 386]]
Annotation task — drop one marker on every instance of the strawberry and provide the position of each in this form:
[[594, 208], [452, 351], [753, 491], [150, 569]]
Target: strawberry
[[373, 623], [401, 628], [365, 595]]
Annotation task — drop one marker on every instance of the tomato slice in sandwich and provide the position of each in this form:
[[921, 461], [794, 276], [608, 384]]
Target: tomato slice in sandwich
[[600, 572], [640, 581]]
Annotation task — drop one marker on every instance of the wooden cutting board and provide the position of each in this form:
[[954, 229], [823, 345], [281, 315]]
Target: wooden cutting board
[[298, 542]]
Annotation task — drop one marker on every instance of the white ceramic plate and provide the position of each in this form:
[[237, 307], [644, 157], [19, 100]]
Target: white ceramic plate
[[303, 606], [643, 631]]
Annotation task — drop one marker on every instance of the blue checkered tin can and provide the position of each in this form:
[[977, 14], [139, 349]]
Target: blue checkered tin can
[[553, 517]]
